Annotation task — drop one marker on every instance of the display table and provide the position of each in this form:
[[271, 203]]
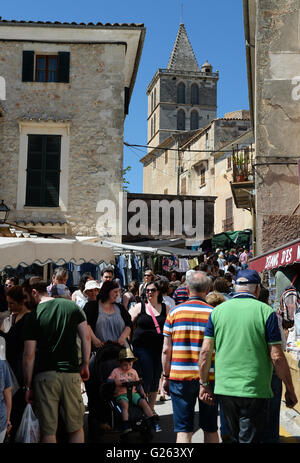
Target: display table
[[295, 373]]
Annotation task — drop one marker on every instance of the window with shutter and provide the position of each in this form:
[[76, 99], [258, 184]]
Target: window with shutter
[[43, 170], [40, 67], [27, 66], [63, 73]]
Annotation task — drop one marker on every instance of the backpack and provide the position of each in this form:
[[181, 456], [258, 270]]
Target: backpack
[[290, 305]]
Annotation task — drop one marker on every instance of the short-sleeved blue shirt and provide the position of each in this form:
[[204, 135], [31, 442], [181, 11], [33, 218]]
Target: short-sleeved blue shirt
[[5, 382]]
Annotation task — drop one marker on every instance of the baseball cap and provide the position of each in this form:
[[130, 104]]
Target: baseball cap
[[247, 276], [60, 290]]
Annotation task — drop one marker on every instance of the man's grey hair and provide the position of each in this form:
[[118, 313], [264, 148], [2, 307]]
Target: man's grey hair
[[249, 287], [61, 272], [197, 281]]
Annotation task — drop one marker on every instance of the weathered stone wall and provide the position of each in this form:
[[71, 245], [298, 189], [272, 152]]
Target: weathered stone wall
[[279, 229], [94, 103], [277, 116]]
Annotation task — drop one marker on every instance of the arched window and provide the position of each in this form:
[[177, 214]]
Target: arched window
[[154, 97], [194, 94], [194, 120], [151, 101], [181, 120], [151, 127], [181, 93], [154, 124]]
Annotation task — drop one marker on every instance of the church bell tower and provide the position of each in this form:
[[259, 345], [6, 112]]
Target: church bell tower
[[181, 97]]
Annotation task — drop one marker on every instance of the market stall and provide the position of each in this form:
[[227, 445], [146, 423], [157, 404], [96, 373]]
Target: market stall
[[282, 267], [23, 252], [160, 256]]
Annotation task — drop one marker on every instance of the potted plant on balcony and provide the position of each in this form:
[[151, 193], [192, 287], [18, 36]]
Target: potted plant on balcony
[[241, 162]]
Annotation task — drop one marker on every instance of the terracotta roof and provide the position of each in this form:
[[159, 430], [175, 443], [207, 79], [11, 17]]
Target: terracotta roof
[[73, 23], [39, 222]]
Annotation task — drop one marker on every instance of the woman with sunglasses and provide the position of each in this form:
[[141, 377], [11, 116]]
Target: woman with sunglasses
[[148, 278], [149, 317]]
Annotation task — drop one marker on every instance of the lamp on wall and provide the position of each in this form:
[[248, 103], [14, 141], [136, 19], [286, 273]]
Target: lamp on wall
[[4, 212]]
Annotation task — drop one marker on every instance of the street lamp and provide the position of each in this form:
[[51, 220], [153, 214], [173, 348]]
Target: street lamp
[[4, 211]]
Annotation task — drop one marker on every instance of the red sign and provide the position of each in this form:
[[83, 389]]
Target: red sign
[[282, 257]]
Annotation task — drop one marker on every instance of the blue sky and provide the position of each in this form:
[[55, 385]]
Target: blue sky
[[215, 30]]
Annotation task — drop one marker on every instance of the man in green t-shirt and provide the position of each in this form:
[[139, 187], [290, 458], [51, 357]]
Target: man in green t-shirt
[[245, 335], [52, 374]]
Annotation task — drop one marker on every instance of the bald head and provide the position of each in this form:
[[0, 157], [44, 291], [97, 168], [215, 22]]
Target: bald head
[[198, 283]]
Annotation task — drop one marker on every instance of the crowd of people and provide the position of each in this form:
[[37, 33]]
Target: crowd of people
[[182, 333]]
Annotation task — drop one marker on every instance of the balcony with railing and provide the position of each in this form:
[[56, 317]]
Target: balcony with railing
[[242, 185], [242, 164]]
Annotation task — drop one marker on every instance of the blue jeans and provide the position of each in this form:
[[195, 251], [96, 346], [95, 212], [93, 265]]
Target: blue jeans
[[149, 368]]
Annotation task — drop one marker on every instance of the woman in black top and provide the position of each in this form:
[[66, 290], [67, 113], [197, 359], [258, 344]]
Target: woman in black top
[[14, 351], [147, 339], [107, 321]]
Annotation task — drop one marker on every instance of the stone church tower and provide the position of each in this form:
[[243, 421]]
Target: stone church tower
[[181, 97]]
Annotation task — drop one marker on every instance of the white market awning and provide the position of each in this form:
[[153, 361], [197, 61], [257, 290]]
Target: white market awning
[[41, 251], [120, 247], [162, 251]]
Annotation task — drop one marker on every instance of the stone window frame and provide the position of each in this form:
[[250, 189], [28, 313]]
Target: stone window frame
[[44, 128]]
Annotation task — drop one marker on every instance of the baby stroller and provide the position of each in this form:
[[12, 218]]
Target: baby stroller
[[106, 359]]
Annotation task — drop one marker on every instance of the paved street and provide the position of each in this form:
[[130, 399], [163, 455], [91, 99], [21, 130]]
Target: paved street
[[289, 427]]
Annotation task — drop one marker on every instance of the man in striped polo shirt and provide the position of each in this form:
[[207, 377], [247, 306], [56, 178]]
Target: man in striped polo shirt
[[184, 331]]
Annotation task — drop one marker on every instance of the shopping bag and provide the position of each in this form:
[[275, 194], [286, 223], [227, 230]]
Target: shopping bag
[[29, 429], [14, 382]]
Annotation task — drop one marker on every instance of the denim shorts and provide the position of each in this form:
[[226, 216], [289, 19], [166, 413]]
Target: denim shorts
[[184, 395]]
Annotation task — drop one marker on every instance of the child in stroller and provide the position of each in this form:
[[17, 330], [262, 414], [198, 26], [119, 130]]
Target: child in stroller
[[128, 390]]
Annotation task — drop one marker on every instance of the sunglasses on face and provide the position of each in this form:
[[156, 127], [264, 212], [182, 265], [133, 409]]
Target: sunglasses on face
[[152, 290], [147, 274]]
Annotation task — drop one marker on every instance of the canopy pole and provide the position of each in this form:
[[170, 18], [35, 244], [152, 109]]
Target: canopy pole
[[45, 272]]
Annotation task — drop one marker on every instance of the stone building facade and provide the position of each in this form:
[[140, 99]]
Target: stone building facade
[[68, 88], [272, 50], [200, 163], [182, 96]]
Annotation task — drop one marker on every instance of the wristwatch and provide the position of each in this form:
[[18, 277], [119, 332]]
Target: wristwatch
[[26, 388], [206, 384], [166, 376]]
